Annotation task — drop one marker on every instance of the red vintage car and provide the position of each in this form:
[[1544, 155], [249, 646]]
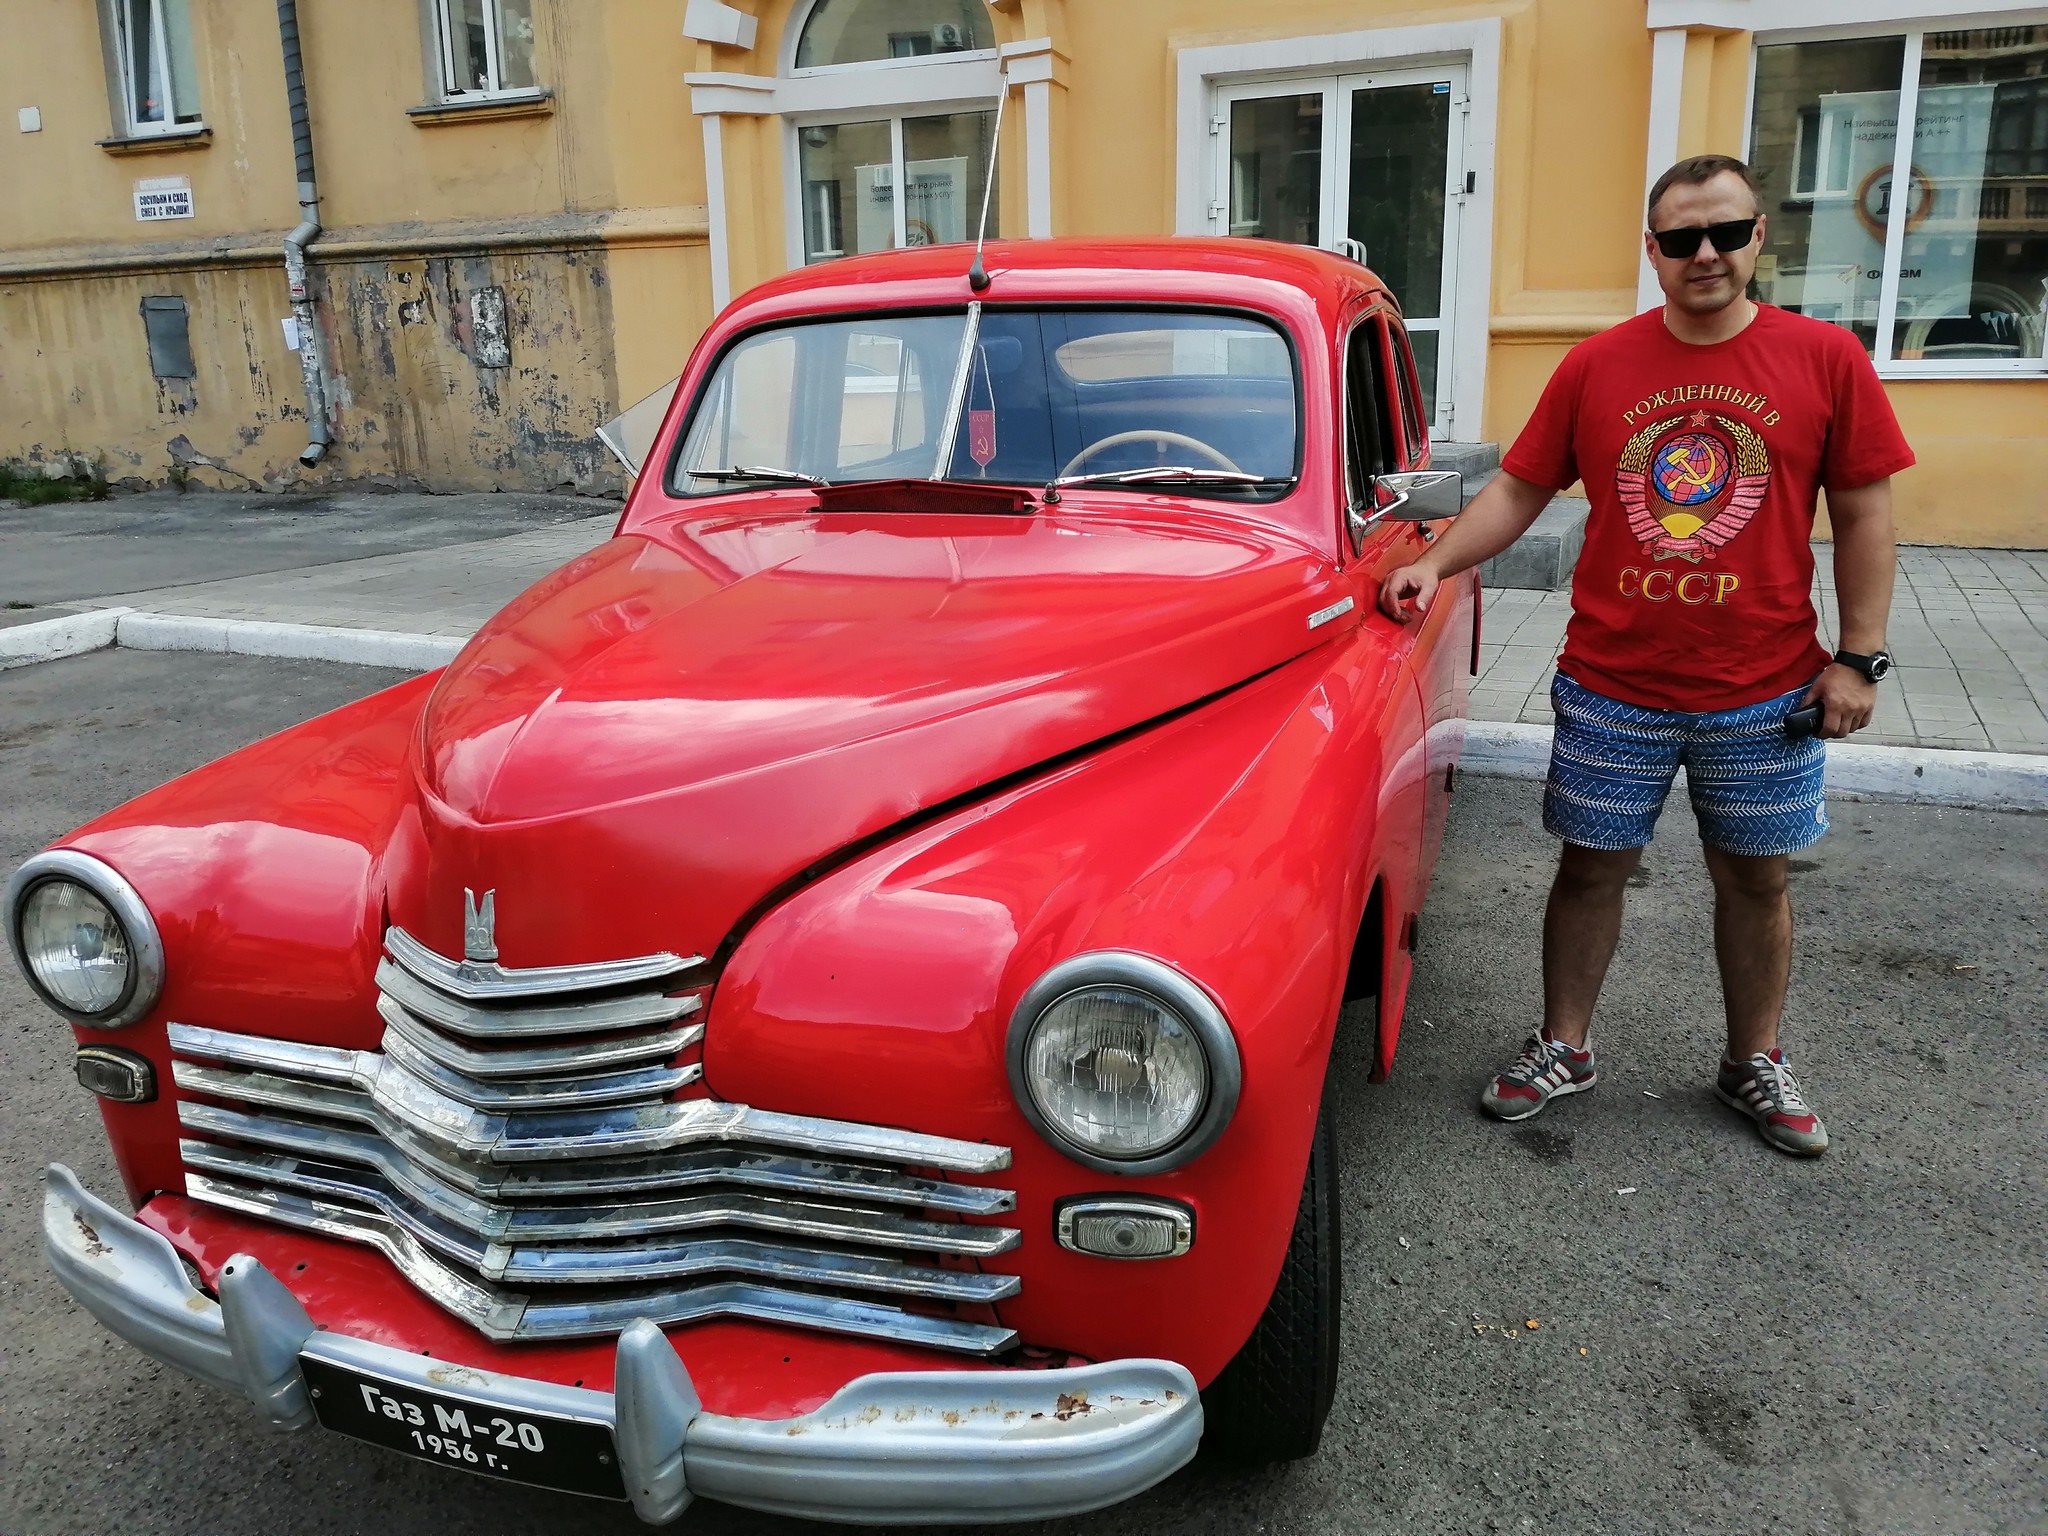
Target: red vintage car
[[824, 1004]]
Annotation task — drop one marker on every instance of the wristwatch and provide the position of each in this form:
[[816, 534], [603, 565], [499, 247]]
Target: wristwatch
[[1874, 667]]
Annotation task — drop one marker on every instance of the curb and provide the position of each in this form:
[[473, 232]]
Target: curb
[[75, 634], [302, 642], [52, 639], [1977, 781]]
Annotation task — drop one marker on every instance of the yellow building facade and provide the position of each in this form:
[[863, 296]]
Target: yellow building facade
[[531, 208]]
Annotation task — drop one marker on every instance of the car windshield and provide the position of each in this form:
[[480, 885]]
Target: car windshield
[[1015, 396]]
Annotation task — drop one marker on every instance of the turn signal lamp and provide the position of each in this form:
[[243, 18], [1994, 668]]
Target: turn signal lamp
[[115, 1074], [1125, 1227]]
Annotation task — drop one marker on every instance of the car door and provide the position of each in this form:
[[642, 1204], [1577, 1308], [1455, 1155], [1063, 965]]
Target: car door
[[1445, 643], [1374, 446]]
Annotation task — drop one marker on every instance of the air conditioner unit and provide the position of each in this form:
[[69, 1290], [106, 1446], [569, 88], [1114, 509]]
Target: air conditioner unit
[[949, 37]]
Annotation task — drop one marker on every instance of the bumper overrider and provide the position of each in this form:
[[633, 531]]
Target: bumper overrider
[[899, 1447]]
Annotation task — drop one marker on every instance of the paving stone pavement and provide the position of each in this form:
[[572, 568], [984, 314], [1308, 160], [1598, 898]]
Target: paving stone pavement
[[1969, 629]]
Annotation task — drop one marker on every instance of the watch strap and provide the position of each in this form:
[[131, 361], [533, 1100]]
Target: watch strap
[[1873, 667]]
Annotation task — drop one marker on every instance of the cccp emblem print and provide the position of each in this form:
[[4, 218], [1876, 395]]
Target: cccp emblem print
[[1690, 483]]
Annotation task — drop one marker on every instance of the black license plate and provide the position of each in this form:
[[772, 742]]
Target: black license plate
[[543, 1449]]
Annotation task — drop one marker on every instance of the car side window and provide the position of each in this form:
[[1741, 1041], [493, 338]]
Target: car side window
[[1413, 432], [1365, 413]]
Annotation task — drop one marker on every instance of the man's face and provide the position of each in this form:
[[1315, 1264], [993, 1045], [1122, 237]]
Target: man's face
[[1705, 280]]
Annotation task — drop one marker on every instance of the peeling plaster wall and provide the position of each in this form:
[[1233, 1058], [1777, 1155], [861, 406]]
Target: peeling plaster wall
[[471, 372], [474, 372]]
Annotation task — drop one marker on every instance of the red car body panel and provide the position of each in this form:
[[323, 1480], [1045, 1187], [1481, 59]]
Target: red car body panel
[[886, 768]]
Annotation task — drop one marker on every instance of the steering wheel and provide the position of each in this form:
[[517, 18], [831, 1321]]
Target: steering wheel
[[1149, 435]]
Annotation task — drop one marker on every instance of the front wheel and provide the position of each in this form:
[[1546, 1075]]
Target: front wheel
[[1270, 1402]]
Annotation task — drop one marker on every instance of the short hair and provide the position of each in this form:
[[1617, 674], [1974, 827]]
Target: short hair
[[1696, 170]]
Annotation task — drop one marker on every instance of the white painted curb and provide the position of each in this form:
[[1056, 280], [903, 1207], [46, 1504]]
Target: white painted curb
[[49, 639], [1985, 781], [303, 642]]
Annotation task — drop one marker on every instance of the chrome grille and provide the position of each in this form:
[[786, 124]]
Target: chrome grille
[[534, 1151]]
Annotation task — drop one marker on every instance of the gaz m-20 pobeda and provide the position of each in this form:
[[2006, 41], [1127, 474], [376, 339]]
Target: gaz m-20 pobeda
[[824, 1004]]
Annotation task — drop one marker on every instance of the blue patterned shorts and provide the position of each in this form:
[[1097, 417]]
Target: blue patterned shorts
[[1755, 790]]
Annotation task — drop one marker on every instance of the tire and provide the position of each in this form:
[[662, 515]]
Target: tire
[[1270, 1402]]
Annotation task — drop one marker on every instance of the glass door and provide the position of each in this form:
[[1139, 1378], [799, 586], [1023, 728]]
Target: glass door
[[1278, 146], [1402, 150], [1372, 165]]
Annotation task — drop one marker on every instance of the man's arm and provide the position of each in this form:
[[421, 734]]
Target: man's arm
[[1866, 562], [1500, 514]]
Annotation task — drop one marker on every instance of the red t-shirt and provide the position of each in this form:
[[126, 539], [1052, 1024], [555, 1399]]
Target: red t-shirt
[[1694, 590]]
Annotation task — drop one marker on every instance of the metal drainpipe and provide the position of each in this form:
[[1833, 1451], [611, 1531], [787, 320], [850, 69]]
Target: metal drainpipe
[[295, 243]]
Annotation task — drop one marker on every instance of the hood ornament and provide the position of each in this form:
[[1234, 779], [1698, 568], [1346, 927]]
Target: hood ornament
[[479, 925]]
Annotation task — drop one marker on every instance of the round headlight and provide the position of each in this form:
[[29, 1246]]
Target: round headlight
[[84, 938], [1123, 1063], [76, 948]]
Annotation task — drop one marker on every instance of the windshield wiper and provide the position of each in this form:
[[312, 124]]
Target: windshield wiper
[[1163, 474], [758, 472]]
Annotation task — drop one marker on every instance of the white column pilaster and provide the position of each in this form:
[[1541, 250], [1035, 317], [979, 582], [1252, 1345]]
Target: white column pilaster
[[1033, 65], [714, 97], [1667, 97]]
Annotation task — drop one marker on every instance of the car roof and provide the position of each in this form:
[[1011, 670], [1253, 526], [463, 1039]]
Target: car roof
[[1238, 272]]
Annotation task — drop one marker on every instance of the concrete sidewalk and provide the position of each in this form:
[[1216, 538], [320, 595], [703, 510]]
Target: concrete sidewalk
[[1969, 628], [446, 592]]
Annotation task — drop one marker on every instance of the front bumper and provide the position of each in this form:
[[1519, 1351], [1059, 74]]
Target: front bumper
[[921, 1447]]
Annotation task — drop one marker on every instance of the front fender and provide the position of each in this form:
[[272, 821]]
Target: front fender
[[263, 871], [1238, 843]]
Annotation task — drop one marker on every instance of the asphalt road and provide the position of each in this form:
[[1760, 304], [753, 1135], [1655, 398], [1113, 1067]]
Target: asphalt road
[[71, 551], [1742, 1343]]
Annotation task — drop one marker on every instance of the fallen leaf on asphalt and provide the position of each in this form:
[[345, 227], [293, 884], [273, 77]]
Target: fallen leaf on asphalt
[[1532, 1324], [1631, 1189], [1585, 1351]]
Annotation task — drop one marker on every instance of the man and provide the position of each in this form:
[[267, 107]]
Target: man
[[1702, 432]]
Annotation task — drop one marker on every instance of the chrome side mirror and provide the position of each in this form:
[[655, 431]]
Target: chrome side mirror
[[1418, 495]]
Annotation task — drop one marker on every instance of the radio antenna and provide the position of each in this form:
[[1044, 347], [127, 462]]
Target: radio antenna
[[977, 275]]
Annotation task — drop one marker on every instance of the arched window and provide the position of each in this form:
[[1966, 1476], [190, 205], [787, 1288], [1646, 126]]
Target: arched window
[[912, 168], [864, 31]]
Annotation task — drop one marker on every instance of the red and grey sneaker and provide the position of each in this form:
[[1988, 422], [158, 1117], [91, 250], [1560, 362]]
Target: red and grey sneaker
[[1547, 1069], [1764, 1089]]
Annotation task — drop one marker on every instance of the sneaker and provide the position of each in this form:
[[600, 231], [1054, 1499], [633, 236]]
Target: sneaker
[[1764, 1089], [1548, 1069]]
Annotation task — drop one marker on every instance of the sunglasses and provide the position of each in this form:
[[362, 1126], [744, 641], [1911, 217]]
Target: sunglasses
[[1683, 244]]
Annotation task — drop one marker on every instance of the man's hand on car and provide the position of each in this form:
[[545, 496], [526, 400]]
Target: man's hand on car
[[1406, 594], [1846, 698]]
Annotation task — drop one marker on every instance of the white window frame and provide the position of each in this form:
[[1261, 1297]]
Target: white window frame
[[898, 172], [1913, 29], [1204, 73], [114, 14], [1826, 125], [442, 22], [873, 90]]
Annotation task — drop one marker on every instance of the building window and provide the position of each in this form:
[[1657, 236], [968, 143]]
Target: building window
[[486, 47], [157, 74], [878, 186], [1932, 247], [862, 31]]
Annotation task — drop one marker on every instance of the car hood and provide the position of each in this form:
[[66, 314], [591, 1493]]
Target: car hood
[[709, 708]]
